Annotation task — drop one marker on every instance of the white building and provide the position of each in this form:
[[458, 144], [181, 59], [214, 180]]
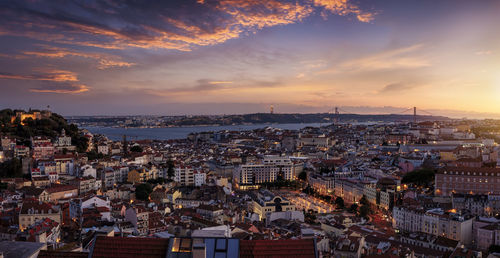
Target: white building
[[434, 222], [88, 170], [200, 177], [64, 140], [271, 169], [184, 175], [103, 148]]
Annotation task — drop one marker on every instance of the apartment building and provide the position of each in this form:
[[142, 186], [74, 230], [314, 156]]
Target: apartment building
[[324, 185], [467, 180], [435, 222], [33, 211], [265, 202], [248, 176]]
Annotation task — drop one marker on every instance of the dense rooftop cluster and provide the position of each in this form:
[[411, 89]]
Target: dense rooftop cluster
[[345, 190]]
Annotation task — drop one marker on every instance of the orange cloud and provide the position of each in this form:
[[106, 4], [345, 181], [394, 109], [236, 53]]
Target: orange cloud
[[105, 60], [48, 75], [344, 7], [67, 89], [54, 81]]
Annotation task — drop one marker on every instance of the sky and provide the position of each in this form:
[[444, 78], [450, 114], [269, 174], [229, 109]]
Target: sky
[[113, 57]]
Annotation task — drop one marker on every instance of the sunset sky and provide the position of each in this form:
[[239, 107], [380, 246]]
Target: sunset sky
[[225, 57]]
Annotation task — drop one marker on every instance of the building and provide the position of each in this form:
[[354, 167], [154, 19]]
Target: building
[[64, 140], [264, 203], [324, 185], [184, 175], [434, 222], [58, 192], [271, 169], [43, 151], [21, 151], [33, 211], [487, 235], [200, 178], [467, 180]]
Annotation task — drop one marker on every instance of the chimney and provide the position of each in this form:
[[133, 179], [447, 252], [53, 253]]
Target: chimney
[[199, 250]]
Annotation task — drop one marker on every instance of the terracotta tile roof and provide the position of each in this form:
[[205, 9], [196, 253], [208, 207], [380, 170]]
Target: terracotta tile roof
[[277, 248], [130, 247], [65, 254]]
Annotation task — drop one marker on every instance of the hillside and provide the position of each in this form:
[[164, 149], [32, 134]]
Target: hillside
[[263, 118], [49, 124]]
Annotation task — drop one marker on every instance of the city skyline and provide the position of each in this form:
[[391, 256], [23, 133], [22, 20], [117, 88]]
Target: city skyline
[[230, 57]]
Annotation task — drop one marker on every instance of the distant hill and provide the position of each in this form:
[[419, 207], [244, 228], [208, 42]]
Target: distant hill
[[263, 118], [23, 125], [257, 118]]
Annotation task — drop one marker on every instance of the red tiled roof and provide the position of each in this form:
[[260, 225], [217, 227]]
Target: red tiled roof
[[61, 188], [277, 248], [130, 247], [65, 254]]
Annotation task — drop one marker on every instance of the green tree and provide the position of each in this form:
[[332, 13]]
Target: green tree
[[143, 191], [422, 177], [11, 168], [353, 208], [93, 155], [170, 169], [364, 210], [136, 148], [364, 201], [303, 176], [494, 249], [339, 202]]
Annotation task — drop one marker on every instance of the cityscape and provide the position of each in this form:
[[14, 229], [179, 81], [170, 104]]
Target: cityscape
[[235, 128]]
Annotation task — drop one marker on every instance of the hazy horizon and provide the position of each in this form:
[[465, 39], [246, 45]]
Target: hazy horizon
[[361, 110]]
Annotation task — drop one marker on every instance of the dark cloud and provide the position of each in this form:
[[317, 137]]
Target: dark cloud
[[45, 75], [396, 87], [61, 88], [51, 81]]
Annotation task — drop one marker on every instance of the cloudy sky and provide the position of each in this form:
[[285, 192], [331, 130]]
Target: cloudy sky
[[115, 57]]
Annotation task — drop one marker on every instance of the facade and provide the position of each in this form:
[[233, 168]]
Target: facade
[[264, 203], [43, 151], [324, 185], [33, 211], [184, 175], [103, 149], [433, 222], [467, 180], [200, 178], [248, 176], [487, 235], [64, 140]]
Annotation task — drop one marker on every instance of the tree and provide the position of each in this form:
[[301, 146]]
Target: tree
[[143, 191], [303, 176], [339, 202], [494, 249], [11, 168], [422, 177], [364, 210], [93, 155], [170, 169], [353, 208], [364, 201], [136, 148]]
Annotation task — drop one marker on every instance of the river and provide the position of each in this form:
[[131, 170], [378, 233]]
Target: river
[[168, 133]]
